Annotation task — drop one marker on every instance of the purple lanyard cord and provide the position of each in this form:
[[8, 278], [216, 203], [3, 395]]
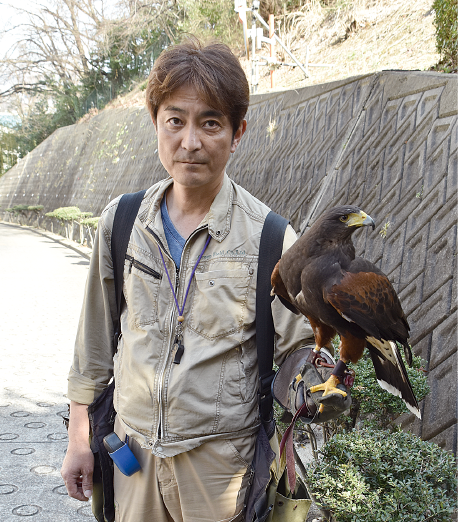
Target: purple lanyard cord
[[180, 312]]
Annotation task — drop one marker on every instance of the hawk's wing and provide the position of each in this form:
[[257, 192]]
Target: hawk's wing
[[366, 297]]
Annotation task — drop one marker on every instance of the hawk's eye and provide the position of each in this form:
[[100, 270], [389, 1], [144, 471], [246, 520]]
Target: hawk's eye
[[344, 218]]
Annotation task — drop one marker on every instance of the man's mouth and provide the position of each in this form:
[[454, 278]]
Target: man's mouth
[[191, 162], [193, 159]]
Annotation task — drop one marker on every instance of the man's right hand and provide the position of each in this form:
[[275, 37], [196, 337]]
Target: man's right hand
[[78, 465]]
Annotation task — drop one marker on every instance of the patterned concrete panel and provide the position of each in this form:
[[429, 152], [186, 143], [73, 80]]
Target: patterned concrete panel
[[394, 250], [441, 264], [387, 142], [414, 259], [409, 422], [452, 175], [440, 404], [431, 313], [447, 440], [454, 300], [443, 218], [412, 179], [423, 349], [428, 206], [443, 342], [392, 172]]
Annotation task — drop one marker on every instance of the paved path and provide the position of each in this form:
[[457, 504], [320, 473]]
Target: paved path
[[41, 290]]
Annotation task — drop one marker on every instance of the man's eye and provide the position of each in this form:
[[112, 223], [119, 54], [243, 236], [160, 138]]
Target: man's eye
[[174, 121], [211, 124]]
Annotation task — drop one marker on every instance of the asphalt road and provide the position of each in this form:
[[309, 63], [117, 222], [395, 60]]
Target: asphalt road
[[41, 290]]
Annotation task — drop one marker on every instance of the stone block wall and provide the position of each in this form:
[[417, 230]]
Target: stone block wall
[[387, 142]]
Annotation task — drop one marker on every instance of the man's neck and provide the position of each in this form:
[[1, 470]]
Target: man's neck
[[188, 207]]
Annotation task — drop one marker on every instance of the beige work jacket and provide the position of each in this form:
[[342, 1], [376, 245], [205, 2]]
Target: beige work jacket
[[212, 392]]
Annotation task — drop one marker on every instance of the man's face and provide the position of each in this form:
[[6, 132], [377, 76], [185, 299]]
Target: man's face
[[194, 140]]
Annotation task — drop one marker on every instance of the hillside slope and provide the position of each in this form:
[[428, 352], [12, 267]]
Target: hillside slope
[[357, 37]]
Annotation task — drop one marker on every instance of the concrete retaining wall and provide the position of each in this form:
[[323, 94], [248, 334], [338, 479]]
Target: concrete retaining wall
[[387, 142]]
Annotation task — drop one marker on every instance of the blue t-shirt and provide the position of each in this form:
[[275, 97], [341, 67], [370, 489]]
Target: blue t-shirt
[[174, 239]]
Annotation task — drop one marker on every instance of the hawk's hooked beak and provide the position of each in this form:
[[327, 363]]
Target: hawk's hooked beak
[[360, 220]]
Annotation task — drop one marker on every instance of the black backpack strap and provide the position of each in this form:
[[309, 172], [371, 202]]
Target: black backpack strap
[[123, 222], [270, 250]]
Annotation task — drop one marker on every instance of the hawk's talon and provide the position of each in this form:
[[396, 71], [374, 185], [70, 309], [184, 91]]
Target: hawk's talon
[[328, 387]]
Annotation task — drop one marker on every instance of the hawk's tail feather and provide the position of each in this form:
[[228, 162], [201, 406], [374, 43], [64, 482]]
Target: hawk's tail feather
[[407, 353], [394, 391], [391, 373]]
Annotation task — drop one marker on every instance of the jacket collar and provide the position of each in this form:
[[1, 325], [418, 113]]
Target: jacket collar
[[217, 220]]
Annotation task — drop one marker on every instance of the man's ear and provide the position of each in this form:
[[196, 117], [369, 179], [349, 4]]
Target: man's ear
[[154, 123], [238, 135]]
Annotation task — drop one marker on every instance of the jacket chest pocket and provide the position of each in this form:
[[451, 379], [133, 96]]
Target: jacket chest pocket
[[223, 302], [141, 289]]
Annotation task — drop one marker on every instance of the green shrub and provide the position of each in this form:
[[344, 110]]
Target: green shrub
[[69, 214], [18, 209], [90, 222], [446, 22], [24, 209], [36, 208], [380, 476]]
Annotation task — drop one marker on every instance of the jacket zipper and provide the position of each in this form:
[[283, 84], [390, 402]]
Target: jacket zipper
[[160, 430], [170, 351], [143, 268]]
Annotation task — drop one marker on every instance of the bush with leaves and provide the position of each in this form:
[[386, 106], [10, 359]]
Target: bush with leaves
[[64, 214], [18, 209], [36, 208], [25, 211], [67, 216], [380, 476], [91, 222], [446, 22], [377, 472]]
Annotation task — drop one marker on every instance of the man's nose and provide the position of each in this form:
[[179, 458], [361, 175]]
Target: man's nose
[[191, 139]]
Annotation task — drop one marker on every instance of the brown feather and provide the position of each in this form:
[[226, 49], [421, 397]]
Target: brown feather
[[369, 300], [279, 289], [351, 348], [323, 333]]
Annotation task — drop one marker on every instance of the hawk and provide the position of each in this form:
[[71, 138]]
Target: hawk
[[321, 277]]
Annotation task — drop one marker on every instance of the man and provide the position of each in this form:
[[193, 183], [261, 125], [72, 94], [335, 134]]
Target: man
[[186, 365]]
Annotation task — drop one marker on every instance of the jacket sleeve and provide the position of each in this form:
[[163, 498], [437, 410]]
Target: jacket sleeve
[[291, 331], [92, 366]]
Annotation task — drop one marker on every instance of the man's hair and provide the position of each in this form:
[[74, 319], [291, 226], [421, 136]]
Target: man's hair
[[212, 70]]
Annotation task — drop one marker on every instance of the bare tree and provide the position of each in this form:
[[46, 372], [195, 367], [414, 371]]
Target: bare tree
[[53, 43], [63, 40]]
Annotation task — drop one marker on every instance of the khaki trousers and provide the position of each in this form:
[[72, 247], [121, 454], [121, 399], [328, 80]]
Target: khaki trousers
[[206, 484]]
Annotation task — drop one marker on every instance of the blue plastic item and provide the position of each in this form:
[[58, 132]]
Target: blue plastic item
[[121, 454]]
